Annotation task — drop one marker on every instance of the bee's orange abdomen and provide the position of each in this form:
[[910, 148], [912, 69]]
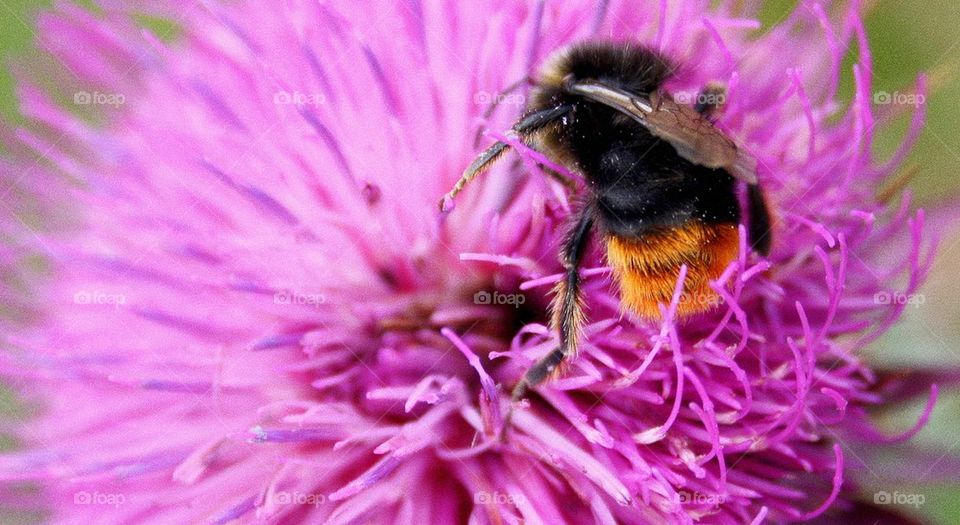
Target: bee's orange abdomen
[[646, 268]]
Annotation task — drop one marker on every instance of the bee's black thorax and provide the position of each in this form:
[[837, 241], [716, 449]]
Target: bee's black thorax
[[638, 182]]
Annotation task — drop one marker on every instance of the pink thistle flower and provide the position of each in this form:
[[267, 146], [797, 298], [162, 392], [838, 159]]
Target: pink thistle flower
[[260, 316]]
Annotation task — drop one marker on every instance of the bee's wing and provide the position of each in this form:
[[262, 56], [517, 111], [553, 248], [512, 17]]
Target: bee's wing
[[694, 137]]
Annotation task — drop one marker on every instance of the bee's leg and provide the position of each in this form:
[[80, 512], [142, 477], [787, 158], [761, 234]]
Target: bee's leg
[[523, 128], [567, 310], [759, 216]]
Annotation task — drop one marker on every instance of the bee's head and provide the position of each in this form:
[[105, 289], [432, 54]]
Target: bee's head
[[627, 66]]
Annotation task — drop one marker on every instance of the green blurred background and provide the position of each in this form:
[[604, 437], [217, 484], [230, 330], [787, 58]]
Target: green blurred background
[[906, 38]]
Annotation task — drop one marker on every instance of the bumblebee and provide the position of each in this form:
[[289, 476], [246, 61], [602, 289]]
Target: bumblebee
[[662, 184]]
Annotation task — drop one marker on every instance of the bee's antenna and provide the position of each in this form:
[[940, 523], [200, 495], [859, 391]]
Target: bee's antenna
[[629, 103], [523, 129]]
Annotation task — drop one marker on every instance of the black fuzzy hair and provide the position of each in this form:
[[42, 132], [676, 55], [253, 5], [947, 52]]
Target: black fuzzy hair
[[629, 66]]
